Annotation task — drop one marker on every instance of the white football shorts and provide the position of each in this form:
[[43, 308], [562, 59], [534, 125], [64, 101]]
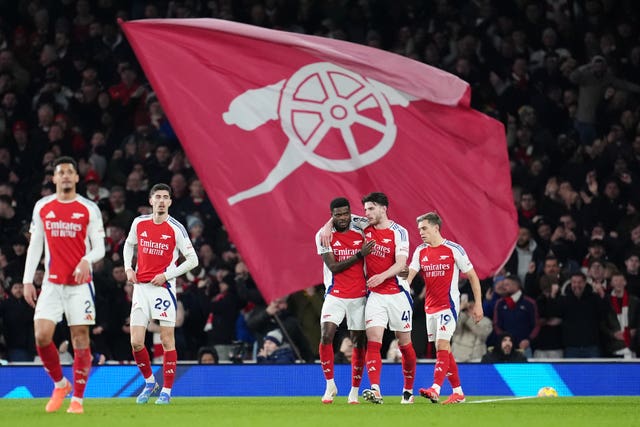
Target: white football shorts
[[335, 309], [441, 325], [76, 302], [153, 302], [395, 310]]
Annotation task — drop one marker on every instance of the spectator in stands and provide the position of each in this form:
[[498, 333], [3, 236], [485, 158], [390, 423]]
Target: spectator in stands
[[632, 273], [94, 191], [583, 313], [345, 351], [17, 322], [525, 256], [548, 344], [551, 269], [517, 314], [274, 350], [622, 319], [468, 343], [264, 318], [207, 356], [504, 352], [593, 79]]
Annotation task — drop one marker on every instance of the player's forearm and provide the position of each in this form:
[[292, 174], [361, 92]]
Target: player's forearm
[[97, 250], [338, 267], [127, 256], [34, 253], [190, 262], [411, 276], [396, 268], [475, 285]]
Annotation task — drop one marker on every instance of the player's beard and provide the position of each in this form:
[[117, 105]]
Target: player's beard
[[341, 227]]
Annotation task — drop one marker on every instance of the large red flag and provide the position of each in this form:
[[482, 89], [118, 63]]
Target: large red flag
[[278, 124]]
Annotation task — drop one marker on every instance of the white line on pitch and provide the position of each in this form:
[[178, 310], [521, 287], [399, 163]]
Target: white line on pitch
[[503, 399]]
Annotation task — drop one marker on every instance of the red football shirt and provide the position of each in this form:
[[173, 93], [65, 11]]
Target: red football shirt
[[440, 267], [349, 283], [68, 228], [390, 243]]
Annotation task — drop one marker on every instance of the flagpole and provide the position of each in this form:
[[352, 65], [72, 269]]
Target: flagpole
[[288, 337]]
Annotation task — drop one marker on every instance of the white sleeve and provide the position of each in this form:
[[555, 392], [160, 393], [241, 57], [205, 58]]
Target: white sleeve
[[36, 246], [402, 241], [95, 231], [359, 221], [186, 248], [129, 246], [321, 249], [462, 260], [415, 259]]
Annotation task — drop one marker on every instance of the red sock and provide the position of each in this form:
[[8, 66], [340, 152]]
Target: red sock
[[441, 368], [374, 361], [357, 365], [326, 360], [81, 369], [169, 368], [453, 376], [408, 365], [143, 361], [51, 361]]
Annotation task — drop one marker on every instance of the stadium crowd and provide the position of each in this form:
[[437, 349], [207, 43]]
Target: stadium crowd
[[563, 76]]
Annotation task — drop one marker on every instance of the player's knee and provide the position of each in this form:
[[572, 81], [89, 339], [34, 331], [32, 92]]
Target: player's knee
[[137, 343], [43, 339]]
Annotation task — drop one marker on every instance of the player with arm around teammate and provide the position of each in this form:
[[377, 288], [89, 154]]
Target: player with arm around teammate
[[160, 240], [440, 262], [69, 228], [389, 302], [345, 295]]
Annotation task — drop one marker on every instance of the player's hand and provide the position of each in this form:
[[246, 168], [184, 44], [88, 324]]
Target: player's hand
[[375, 280], [367, 247], [404, 273], [477, 312], [82, 273], [131, 276], [30, 294], [159, 280], [326, 234]]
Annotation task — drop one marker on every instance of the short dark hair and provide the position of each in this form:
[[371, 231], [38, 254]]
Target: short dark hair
[[208, 350], [339, 202], [377, 198], [160, 187], [65, 160], [580, 274], [431, 217]]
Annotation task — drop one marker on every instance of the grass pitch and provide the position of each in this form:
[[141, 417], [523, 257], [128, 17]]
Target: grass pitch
[[308, 411]]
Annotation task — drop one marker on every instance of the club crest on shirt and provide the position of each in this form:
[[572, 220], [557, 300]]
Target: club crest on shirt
[[77, 215], [164, 237]]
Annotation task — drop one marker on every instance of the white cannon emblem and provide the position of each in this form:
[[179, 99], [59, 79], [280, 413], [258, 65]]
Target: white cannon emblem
[[315, 100]]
